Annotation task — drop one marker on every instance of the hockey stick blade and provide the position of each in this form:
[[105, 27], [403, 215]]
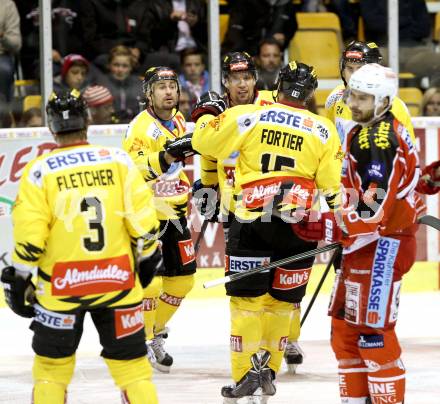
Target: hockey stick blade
[[430, 221], [281, 262]]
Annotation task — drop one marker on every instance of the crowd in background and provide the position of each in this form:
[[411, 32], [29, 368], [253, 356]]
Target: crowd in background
[[103, 47]]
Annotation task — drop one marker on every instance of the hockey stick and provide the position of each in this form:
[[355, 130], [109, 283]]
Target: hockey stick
[[200, 236], [281, 262], [430, 221], [321, 282]]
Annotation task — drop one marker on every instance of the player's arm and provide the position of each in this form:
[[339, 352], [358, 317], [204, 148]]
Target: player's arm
[[141, 144], [219, 136], [31, 217], [376, 172], [141, 222]]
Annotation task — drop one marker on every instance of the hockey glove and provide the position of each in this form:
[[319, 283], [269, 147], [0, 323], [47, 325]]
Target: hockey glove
[[180, 148], [326, 229], [208, 103], [149, 267], [18, 290], [206, 201]]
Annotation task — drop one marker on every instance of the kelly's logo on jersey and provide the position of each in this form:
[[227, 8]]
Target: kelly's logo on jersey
[[128, 321], [287, 279], [80, 278], [186, 249]]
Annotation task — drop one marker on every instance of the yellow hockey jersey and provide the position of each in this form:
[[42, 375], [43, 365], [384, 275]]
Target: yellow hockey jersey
[[80, 213], [285, 153], [339, 113], [222, 172], [144, 141]]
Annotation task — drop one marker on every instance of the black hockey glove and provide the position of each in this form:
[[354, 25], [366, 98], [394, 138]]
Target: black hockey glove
[[148, 268], [18, 290], [206, 201], [180, 148], [208, 103]]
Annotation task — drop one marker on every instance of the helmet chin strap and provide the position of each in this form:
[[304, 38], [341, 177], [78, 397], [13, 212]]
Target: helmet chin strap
[[150, 106]]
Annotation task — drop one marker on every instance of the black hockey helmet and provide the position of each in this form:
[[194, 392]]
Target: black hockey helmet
[[297, 80], [158, 73], [238, 62], [66, 112], [359, 52]]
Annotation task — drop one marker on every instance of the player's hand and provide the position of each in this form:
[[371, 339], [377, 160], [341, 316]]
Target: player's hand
[[206, 201], [149, 267], [326, 229], [208, 103], [180, 148], [18, 291]]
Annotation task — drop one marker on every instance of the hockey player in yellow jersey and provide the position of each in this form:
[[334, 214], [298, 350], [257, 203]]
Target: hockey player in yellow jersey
[[83, 222], [285, 153], [355, 55], [239, 78], [145, 139]]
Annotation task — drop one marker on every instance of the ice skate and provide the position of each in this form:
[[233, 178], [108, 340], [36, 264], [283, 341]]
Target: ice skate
[[293, 356], [162, 360], [255, 387]]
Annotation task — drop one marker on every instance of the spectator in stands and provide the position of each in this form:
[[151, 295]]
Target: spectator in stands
[[185, 106], [178, 25], [107, 23], [66, 38], [124, 86], [10, 44], [73, 73], [100, 103], [250, 21], [269, 61], [194, 77], [348, 13], [431, 102], [416, 53], [31, 118]]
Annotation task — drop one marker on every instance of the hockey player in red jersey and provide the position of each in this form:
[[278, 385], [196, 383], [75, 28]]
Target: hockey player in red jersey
[[80, 212], [379, 216]]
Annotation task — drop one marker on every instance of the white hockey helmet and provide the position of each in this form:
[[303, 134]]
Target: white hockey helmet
[[376, 80]]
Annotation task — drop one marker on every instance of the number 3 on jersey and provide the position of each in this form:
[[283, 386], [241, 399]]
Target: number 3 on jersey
[[95, 223], [275, 162]]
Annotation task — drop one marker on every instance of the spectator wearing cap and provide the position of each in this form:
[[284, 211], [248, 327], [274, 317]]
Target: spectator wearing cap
[[100, 102], [73, 73], [123, 84]]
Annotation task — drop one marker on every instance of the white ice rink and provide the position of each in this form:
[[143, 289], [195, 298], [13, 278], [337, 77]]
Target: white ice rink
[[199, 344]]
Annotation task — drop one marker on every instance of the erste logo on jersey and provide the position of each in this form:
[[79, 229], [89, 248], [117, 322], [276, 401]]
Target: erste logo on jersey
[[80, 278], [51, 319], [186, 249], [287, 279], [77, 158], [381, 281], [128, 321], [242, 264]]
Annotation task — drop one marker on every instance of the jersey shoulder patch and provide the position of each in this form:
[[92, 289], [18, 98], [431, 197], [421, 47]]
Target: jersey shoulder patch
[[336, 95]]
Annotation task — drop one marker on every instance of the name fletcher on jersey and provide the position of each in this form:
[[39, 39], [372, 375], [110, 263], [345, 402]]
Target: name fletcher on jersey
[[86, 178]]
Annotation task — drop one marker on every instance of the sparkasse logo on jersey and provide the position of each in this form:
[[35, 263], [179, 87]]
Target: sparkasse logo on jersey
[[57, 321], [128, 321]]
